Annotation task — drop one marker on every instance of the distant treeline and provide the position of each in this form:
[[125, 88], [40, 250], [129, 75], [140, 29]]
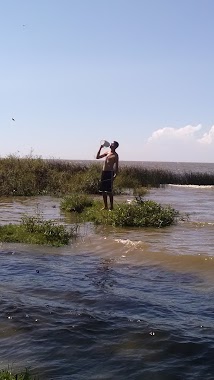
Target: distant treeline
[[36, 176]]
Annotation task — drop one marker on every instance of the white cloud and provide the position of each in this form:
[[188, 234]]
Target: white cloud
[[176, 134], [186, 144], [208, 137]]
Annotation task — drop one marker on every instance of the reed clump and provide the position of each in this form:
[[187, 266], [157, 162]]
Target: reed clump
[[140, 191], [36, 230], [34, 176], [140, 176], [76, 202], [134, 177], [9, 375]]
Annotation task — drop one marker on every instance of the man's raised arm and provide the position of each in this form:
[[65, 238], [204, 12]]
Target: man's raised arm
[[100, 155]]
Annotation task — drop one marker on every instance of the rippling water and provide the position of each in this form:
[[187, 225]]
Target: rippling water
[[198, 167], [115, 304]]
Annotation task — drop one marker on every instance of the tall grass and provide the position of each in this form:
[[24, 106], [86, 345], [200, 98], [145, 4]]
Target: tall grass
[[157, 177], [76, 202], [34, 176]]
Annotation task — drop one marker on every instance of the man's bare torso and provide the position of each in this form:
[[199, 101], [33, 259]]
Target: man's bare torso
[[110, 161]]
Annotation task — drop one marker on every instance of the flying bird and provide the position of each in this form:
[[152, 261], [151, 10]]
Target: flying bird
[[13, 119]]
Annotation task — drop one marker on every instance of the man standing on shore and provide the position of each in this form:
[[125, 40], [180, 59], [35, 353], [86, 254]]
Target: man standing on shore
[[109, 172]]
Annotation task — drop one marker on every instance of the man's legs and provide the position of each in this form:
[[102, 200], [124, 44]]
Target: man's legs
[[108, 185], [111, 200], [105, 200]]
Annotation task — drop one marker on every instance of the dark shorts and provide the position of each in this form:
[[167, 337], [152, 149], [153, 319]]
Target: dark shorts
[[106, 183]]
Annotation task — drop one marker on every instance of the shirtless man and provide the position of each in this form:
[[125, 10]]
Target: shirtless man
[[109, 172]]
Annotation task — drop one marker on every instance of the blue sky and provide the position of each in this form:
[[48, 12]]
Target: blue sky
[[73, 72]]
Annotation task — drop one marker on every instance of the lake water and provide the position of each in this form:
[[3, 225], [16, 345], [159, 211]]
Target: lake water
[[171, 166], [116, 303]]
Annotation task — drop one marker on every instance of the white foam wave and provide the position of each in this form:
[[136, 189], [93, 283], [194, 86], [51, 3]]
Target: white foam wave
[[128, 242], [202, 224], [193, 186]]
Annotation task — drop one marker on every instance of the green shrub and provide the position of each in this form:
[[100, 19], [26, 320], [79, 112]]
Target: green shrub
[[8, 375], [76, 202], [140, 191], [137, 214], [36, 230]]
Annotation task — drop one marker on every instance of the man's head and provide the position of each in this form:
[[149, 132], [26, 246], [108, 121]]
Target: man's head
[[114, 145]]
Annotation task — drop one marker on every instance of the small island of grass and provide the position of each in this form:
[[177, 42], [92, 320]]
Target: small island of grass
[[36, 230], [139, 213]]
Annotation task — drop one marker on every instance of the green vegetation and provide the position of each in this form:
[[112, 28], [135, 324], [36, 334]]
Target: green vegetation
[[34, 176], [36, 230], [76, 202], [140, 191], [140, 176], [137, 214], [8, 375]]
